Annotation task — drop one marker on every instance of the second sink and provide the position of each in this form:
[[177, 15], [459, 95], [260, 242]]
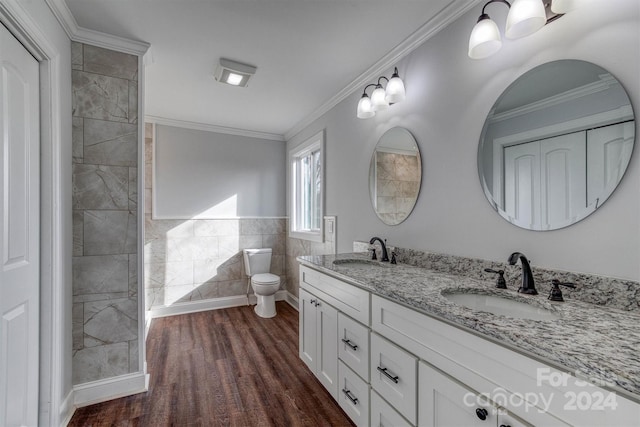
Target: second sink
[[501, 306]]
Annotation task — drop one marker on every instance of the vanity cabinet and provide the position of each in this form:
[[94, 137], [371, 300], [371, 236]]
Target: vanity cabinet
[[318, 335], [390, 365]]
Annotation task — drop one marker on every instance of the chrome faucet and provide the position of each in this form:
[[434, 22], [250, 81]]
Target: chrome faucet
[[528, 287], [385, 256]]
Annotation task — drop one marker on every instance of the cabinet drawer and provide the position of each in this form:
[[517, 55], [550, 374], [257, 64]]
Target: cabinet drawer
[[353, 345], [353, 395], [383, 414], [394, 376], [347, 298]]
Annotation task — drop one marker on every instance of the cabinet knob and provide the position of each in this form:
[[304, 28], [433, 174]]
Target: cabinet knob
[[481, 413]]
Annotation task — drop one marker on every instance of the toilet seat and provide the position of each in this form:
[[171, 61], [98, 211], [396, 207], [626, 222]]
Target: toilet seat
[[265, 279]]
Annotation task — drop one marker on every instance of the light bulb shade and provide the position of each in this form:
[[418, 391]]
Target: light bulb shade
[[525, 17], [365, 110], [563, 6], [485, 39], [395, 90], [378, 100]]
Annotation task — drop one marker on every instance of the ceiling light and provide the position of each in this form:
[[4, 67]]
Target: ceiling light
[[234, 73], [563, 6], [381, 97], [525, 18]]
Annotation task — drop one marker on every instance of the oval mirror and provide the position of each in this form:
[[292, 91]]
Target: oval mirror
[[556, 144], [395, 174]]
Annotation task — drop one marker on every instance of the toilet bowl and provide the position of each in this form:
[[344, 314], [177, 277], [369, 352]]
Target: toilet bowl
[[257, 264]]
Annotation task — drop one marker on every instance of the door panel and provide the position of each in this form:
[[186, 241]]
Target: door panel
[[19, 233]]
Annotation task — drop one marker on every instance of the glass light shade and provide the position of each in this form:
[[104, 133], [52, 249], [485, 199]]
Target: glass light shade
[[563, 6], [365, 110], [395, 90], [525, 17], [378, 100], [485, 39]]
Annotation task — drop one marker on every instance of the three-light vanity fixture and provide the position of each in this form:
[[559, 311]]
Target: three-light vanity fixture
[[381, 97], [525, 18]]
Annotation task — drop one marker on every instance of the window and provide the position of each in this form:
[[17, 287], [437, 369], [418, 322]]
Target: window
[[307, 184]]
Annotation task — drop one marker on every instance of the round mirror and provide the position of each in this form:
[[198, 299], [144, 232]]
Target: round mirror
[[395, 175], [556, 144]]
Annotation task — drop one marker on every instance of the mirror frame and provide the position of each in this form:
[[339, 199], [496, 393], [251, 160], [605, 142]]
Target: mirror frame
[[372, 177], [589, 209]]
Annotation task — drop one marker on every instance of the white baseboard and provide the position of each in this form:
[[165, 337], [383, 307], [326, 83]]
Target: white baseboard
[[111, 388], [292, 300], [209, 304], [67, 409]]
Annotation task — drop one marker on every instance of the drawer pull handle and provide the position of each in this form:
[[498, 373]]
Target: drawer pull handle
[[388, 375], [312, 301], [350, 344], [350, 396], [482, 413]]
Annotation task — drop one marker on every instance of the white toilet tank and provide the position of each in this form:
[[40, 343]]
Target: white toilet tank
[[257, 261]]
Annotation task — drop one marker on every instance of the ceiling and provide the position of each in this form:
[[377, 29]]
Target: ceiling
[[306, 52]]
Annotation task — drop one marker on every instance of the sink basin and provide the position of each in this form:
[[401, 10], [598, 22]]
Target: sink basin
[[364, 264], [502, 306]]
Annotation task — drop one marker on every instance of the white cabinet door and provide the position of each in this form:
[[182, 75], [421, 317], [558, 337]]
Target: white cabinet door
[[353, 347], [327, 334], [19, 233], [318, 339], [353, 395], [394, 376], [383, 414], [307, 329], [444, 402]]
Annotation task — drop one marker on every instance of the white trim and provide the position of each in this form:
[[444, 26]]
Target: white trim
[[213, 128], [206, 305], [604, 83], [200, 218], [111, 388], [67, 409], [52, 220], [95, 38], [292, 300], [438, 22]]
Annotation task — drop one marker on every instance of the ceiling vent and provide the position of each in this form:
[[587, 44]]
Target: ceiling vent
[[234, 73]]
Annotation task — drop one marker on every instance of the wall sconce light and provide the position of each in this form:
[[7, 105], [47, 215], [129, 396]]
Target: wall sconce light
[[381, 97], [525, 18]]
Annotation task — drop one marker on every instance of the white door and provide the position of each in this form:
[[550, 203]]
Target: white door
[[522, 183], [19, 233]]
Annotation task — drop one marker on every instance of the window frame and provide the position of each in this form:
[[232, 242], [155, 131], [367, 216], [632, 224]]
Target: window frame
[[309, 146]]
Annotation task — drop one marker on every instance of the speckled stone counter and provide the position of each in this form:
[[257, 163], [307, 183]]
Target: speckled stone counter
[[594, 343]]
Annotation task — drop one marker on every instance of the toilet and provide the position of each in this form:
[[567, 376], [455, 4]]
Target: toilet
[[257, 263]]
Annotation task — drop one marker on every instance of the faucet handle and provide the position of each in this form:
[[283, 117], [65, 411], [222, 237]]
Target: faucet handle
[[555, 294], [500, 282], [393, 257], [373, 253]]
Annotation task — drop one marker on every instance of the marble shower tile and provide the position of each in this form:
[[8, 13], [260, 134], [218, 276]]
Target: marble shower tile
[[100, 274], [105, 361], [77, 316], [76, 56], [109, 232], [113, 321], [77, 139], [133, 189], [100, 187], [133, 356], [110, 143], [133, 102], [100, 97], [133, 275], [110, 63], [78, 233]]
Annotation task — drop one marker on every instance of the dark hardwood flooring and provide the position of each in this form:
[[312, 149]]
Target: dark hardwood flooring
[[223, 368]]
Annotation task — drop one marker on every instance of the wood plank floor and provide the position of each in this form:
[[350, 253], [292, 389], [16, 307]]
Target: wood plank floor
[[223, 368]]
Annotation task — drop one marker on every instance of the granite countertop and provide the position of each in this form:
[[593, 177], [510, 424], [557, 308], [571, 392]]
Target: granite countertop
[[593, 343]]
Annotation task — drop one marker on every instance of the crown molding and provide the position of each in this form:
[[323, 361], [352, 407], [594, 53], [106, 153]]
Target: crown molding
[[213, 128], [442, 19], [95, 38]]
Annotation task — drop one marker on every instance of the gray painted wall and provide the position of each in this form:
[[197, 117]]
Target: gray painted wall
[[227, 176], [448, 98]]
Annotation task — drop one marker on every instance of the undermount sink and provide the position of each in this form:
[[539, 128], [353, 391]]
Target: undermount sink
[[502, 306], [364, 264]]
